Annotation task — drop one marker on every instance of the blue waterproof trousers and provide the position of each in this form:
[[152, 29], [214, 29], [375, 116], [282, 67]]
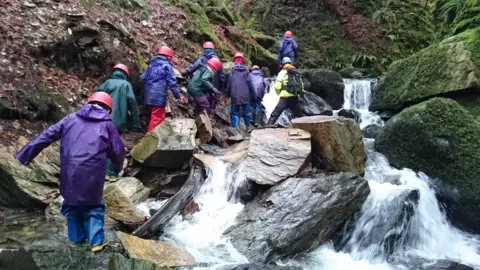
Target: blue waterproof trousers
[[85, 222], [235, 114]]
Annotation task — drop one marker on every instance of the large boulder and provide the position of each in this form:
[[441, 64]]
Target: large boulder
[[337, 143], [169, 145], [161, 253], [296, 216], [276, 154], [448, 67], [33, 186], [327, 84], [312, 104], [442, 139]]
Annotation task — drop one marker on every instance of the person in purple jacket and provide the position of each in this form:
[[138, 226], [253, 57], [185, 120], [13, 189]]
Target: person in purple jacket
[[241, 92], [88, 138], [256, 76], [288, 48]]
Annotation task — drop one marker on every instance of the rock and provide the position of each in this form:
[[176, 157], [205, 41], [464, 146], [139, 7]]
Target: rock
[[120, 199], [220, 137], [169, 145], [337, 143], [442, 139], [350, 113], [162, 183], [354, 73], [206, 160], [446, 68], [17, 259], [327, 84], [118, 262], [237, 153], [161, 253], [418, 263], [258, 266], [296, 216], [191, 208], [371, 131], [53, 210], [204, 128], [277, 154], [29, 4], [33, 186], [312, 104]]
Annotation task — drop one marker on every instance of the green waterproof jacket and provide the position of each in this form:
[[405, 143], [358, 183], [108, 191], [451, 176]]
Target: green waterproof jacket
[[125, 109], [201, 83]]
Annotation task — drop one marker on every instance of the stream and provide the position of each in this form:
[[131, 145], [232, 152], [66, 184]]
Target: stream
[[400, 225]]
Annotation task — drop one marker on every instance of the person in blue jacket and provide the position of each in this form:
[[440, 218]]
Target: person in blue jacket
[[256, 76], [218, 78], [88, 138], [288, 48], [158, 78]]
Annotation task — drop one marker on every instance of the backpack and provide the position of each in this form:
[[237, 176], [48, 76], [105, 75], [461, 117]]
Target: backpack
[[294, 83]]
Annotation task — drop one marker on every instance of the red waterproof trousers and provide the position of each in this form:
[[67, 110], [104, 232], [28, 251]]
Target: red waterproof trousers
[[157, 116]]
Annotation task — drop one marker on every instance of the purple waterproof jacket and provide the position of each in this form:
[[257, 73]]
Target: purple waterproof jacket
[[240, 87], [259, 85], [158, 78], [218, 78], [88, 138], [288, 48]]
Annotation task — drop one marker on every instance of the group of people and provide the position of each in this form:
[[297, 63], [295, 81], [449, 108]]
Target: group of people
[[91, 146]]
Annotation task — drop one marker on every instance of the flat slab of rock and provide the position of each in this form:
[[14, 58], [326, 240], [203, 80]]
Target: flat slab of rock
[[160, 253], [296, 216], [204, 128], [276, 154], [169, 145], [337, 143]]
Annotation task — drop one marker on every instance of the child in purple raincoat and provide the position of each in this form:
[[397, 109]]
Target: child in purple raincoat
[[88, 139]]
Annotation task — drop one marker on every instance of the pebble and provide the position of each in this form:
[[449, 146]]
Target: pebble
[[29, 4]]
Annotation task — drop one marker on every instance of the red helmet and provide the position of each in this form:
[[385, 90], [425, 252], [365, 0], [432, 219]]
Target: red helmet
[[288, 34], [238, 55], [122, 67], [215, 63], [255, 68], [101, 97], [208, 45], [164, 50]]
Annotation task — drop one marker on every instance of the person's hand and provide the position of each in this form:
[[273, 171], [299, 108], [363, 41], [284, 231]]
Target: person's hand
[[182, 100], [216, 92]]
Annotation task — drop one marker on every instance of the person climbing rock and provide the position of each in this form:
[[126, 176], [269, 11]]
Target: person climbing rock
[[158, 78], [201, 86], [125, 110], [241, 92], [288, 48], [256, 76], [88, 139], [289, 86]]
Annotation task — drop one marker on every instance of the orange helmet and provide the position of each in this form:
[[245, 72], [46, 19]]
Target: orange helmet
[[208, 45], [122, 67], [288, 34], [255, 68], [238, 55], [164, 50], [101, 97], [214, 63]]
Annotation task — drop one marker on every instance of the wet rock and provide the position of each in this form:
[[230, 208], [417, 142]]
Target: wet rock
[[354, 73], [169, 145], [191, 208], [276, 154], [337, 143], [258, 266], [53, 210], [350, 113], [441, 139], [162, 183], [206, 160], [220, 137], [296, 216], [312, 104], [371, 131], [118, 262], [327, 84], [29, 4], [204, 128], [418, 263], [161, 253], [237, 153], [17, 259], [33, 186]]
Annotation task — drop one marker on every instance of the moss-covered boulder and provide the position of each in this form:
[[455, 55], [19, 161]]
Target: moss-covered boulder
[[325, 83], [441, 69], [442, 139]]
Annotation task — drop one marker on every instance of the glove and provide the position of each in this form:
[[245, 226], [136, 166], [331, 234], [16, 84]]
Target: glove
[[215, 91]]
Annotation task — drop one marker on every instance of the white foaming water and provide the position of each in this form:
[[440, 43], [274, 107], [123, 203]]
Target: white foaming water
[[270, 100], [400, 223]]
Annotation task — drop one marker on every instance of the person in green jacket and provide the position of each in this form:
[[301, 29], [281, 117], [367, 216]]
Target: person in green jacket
[[202, 84], [125, 110]]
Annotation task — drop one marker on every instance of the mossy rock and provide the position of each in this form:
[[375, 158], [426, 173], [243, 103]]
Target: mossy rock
[[263, 40], [325, 83], [441, 69], [442, 139]]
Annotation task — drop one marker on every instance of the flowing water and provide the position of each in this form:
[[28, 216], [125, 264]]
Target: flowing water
[[400, 224]]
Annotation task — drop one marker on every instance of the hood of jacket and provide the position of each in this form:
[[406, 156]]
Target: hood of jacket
[[257, 73], [93, 113], [117, 74], [287, 66], [288, 40], [158, 60], [239, 67]]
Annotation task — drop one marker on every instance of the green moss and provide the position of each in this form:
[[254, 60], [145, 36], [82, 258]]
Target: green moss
[[438, 137], [141, 63]]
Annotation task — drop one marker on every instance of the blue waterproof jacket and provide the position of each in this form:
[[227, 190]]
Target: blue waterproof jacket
[[88, 138], [240, 88], [288, 48], [158, 78], [218, 78], [258, 83]]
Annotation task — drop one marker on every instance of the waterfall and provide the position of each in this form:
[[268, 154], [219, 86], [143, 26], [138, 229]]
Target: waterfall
[[399, 225]]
